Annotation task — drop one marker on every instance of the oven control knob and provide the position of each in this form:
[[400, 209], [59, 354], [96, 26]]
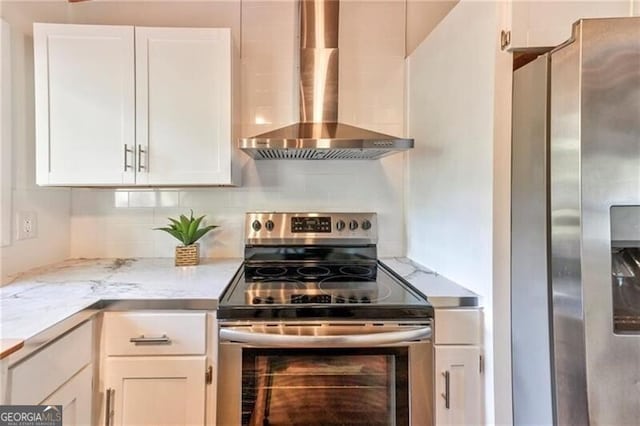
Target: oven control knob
[[340, 225], [365, 299], [353, 225], [366, 225], [269, 225], [353, 299], [256, 225], [269, 300], [256, 301]]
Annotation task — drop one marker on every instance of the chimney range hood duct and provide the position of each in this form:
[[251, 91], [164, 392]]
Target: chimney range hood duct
[[318, 135]]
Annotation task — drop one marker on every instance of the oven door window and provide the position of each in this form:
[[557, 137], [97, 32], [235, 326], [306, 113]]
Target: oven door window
[[325, 387]]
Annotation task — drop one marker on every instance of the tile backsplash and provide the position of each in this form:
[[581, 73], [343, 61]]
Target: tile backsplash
[[119, 223]]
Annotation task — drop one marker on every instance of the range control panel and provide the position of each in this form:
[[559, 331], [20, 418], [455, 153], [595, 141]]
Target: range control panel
[[310, 224], [311, 228]]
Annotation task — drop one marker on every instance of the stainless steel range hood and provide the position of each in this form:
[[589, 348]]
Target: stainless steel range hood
[[318, 135]]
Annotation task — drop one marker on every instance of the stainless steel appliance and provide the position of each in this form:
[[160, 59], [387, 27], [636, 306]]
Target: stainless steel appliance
[[314, 330], [319, 135], [576, 230]]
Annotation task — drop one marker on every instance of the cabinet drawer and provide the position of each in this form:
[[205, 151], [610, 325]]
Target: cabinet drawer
[[155, 333], [458, 327], [39, 376]]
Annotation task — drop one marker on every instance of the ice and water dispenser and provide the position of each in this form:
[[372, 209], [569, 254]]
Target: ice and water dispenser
[[625, 268]]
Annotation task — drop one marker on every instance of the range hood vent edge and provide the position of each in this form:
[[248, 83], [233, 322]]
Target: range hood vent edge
[[318, 135]]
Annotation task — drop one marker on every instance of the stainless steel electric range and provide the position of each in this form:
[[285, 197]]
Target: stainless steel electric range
[[314, 329]]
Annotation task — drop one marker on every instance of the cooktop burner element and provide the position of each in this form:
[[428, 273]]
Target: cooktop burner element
[[305, 265], [357, 271], [271, 271], [313, 271], [310, 272]]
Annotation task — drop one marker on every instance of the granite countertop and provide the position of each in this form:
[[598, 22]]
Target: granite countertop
[[441, 291], [42, 297]]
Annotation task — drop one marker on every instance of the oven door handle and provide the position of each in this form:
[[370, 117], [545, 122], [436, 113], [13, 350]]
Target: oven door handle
[[349, 340]]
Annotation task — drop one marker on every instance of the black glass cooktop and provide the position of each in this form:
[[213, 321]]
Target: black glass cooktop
[[363, 290]]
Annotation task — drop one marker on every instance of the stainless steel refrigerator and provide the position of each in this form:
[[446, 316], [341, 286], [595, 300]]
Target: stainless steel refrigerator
[[575, 287]]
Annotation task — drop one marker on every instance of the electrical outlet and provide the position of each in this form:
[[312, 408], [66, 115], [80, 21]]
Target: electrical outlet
[[27, 225]]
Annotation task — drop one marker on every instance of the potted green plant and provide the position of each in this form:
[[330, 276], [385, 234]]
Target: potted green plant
[[187, 230]]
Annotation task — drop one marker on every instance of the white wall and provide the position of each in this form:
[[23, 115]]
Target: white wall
[[459, 109], [119, 223], [422, 17], [52, 206], [5, 134]]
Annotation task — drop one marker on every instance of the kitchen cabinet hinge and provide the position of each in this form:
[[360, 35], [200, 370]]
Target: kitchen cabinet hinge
[[505, 39], [208, 375], [481, 364]]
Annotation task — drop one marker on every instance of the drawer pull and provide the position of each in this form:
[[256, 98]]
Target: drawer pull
[[162, 340]]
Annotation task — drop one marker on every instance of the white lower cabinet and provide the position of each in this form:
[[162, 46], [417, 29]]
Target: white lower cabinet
[[156, 390], [155, 368], [61, 373], [75, 398], [458, 385], [458, 376]]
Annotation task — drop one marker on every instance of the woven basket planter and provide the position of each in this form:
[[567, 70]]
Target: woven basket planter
[[188, 255]]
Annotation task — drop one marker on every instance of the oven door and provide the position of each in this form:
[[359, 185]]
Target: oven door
[[325, 374]]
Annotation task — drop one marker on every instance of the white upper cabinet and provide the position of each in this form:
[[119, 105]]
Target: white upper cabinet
[[84, 92], [548, 23], [118, 106], [183, 105]]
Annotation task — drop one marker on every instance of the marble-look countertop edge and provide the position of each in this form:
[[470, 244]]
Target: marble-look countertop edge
[[37, 300], [439, 290]]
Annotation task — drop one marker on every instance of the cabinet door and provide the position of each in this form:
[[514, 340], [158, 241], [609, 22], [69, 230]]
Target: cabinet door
[[75, 397], [157, 390], [458, 385], [183, 106], [548, 23], [84, 96]]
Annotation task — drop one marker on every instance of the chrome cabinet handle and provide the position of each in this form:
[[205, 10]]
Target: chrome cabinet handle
[[127, 150], [446, 394], [140, 152], [372, 339], [108, 411], [162, 340]]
